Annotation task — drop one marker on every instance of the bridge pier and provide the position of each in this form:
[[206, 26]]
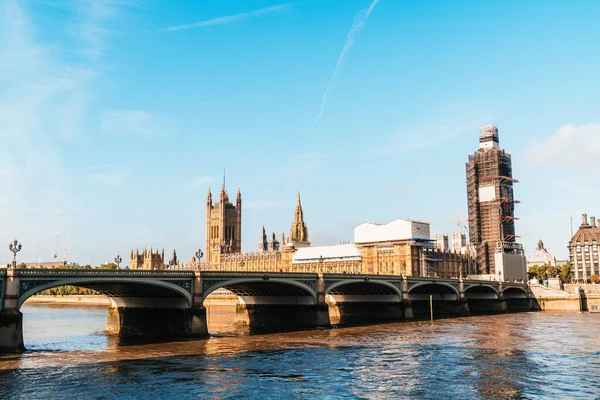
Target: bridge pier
[[441, 308], [357, 313], [11, 331], [157, 322], [261, 318], [479, 306], [11, 319], [519, 304]]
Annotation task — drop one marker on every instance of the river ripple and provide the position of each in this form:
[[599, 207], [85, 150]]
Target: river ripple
[[529, 355]]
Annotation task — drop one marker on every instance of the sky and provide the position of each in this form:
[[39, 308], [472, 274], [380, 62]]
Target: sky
[[116, 116]]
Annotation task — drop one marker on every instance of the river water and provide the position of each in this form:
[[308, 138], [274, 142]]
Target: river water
[[521, 356]]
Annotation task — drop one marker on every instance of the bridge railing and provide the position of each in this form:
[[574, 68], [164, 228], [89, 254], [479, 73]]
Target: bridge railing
[[96, 272], [258, 274]]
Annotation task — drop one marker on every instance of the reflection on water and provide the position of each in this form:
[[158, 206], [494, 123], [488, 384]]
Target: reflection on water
[[531, 355]]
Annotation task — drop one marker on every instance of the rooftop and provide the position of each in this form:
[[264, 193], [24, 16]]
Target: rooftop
[[330, 252]]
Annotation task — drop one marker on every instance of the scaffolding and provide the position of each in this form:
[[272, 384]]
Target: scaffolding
[[491, 218]]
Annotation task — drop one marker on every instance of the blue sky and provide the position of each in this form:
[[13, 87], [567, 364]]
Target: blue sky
[[117, 115]]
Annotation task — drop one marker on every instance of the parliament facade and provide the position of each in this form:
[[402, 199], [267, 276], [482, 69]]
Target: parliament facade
[[400, 247]]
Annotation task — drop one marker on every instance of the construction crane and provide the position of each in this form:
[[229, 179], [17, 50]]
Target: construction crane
[[55, 255]]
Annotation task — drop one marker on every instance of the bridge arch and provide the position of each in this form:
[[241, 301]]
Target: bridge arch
[[515, 292], [481, 292], [481, 288], [255, 287], [117, 287], [371, 286], [439, 291]]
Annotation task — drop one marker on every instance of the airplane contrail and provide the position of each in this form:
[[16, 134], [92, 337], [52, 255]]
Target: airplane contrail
[[359, 21]]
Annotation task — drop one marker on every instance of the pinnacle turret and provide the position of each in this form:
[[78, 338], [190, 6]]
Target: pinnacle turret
[[299, 232]]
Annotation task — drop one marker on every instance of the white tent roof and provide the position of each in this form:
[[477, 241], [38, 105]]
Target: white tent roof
[[329, 253]]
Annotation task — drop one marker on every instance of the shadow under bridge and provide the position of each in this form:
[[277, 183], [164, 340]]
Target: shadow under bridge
[[123, 288], [364, 300], [271, 303]]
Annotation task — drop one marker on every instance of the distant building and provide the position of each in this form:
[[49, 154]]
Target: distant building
[[491, 207], [268, 245], [583, 250], [456, 243], [174, 261], [459, 242], [223, 225], [400, 247], [541, 256], [441, 242], [147, 259]]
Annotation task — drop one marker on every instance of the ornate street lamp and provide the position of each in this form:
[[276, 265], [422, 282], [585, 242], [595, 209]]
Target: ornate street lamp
[[320, 263], [118, 260], [14, 247], [199, 255]]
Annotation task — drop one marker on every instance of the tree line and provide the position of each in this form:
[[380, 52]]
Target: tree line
[[543, 272]]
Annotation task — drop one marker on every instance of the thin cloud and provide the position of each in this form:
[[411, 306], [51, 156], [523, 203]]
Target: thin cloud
[[452, 121], [570, 145], [43, 99], [229, 19], [359, 21], [94, 21]]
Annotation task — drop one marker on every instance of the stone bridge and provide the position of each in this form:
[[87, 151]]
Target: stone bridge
[[170, 303]]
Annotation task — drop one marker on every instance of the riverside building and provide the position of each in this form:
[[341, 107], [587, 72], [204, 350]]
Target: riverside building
[[583, 250]]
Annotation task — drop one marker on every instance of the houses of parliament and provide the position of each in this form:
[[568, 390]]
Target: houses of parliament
[[400, 247]]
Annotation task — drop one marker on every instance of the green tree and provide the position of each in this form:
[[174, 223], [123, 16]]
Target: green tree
[[565, 273], [543, 272], [108, 266], [539, 272]]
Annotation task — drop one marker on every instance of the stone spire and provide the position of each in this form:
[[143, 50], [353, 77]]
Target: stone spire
[[262, 243], [223, 196], [209, 198], [299, 233]]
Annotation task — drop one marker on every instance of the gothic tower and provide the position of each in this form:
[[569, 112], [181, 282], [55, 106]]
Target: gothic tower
[[491, 202], [223, 225], [299, 233]]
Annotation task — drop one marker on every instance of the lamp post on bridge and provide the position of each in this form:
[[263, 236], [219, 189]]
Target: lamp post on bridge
[[199, 255], [15, 247], [321, 263], [118, 260]]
